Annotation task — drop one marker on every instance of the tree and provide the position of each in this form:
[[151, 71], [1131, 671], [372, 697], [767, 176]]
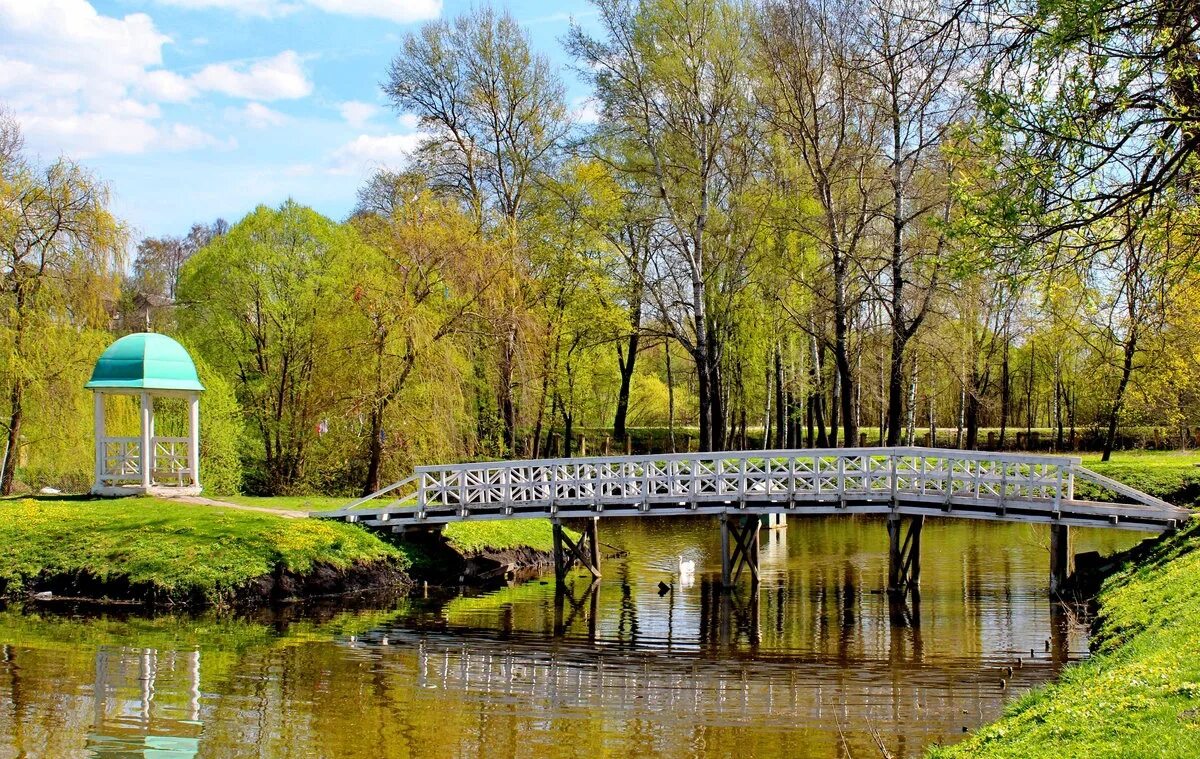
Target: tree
[[1097, 105], [263, 304], [672, 81], [1132, 285], [61, 249], [420, 281], [916, 66], [811, 86], [496, 115]]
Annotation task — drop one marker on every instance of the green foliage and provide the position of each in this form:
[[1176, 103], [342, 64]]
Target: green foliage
[[1139, 695], [181, 550], [262, 305]]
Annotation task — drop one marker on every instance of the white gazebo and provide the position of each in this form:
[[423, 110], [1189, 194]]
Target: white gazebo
[[148, 366]]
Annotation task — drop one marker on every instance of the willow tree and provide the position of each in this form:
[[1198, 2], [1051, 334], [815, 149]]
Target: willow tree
[[62, 249], [263, 304], [421, 281], [495, 115]]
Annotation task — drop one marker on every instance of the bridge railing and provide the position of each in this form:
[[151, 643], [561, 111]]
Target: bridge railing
[[792, 475]]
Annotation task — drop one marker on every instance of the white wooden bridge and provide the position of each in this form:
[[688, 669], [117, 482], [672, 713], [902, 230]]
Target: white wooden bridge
[[741, 487]]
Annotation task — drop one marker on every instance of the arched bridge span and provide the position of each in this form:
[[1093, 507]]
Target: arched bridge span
[[745, 488]]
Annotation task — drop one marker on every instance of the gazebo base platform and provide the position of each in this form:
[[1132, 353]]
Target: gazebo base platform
[[159, 491]]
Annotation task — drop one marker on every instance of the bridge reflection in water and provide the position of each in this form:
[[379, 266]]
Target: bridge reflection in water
[[816, 661]]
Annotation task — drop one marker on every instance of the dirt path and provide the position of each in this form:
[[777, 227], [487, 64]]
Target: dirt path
[[201, 501]]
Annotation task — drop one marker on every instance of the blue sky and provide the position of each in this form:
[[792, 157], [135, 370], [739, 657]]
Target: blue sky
[[198, 109]]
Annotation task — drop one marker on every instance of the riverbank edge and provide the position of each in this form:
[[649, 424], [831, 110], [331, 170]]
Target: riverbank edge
[[1138, 694], [438, 560], [172, 553], [280, 586]]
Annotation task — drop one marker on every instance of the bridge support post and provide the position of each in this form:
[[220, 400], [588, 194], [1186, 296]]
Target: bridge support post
[[1062, 560], [904, 555], [740, 552], [586, 551]]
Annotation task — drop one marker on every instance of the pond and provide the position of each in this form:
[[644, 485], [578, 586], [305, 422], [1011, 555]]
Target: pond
[[818, 663]]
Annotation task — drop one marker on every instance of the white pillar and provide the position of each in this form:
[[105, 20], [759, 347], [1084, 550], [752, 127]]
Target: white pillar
[[194, 437], [147, 444], [101, 449]]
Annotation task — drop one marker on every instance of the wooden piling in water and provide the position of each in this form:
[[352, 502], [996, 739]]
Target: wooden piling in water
[[744, 532], [904, 555], [586, 552], [1061, 558]]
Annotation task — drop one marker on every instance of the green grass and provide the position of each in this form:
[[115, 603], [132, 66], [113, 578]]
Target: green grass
[[1173, 476], [1139, 695], [473, 537], [289, 502], [182, 551]]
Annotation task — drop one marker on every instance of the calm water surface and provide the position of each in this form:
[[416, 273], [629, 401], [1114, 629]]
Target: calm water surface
[[817, 664]]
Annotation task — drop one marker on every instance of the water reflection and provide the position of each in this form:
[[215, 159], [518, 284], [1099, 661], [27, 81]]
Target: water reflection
[[817, 662]]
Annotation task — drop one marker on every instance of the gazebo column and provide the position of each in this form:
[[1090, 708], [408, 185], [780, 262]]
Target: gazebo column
[[194, 437], [147, 444], [101, 447]]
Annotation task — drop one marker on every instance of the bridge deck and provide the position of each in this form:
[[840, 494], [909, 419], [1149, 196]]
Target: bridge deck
[[898, 481]]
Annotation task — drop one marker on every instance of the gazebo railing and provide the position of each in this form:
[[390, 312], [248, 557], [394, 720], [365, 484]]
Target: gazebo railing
[[123, 458], [170, 455]]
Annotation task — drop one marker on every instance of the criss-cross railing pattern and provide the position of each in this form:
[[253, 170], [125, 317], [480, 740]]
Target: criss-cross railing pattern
[[861, 479]]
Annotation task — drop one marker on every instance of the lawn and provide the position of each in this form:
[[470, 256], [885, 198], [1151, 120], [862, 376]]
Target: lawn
[[181, 551], [1173, 476], [473, 537], [1139, 694]]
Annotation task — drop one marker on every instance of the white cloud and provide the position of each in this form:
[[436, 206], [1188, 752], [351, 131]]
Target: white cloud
[[356, 113], [83, 83], [161, 84], [403, 12], [277, 78], [369, 152], [400, 11], [584, 110], [257, 116]]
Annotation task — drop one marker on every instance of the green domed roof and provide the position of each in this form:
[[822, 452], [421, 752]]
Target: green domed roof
[[145, 360]]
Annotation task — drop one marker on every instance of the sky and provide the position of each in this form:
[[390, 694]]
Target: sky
[[192, 110]]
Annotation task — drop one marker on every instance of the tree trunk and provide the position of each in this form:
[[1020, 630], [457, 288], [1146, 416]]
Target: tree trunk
[[841, 351], [971, 412], [1114, 416], [833, 412], [895, 397], [670, 398], [1005, 390], [626, 366], [375, 452], [781, 410], [16, 396], [700, 355], [508, 409], [16, 399]]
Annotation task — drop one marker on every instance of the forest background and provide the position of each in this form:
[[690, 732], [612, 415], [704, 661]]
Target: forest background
[[794, 224]]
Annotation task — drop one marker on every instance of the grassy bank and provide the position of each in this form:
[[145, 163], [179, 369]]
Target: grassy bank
[[1139, 694], [1171, 475], [474, 537], [168, 550]]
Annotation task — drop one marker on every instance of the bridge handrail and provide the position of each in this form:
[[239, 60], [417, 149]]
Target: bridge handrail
[[1119, 487], [767, 453]]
